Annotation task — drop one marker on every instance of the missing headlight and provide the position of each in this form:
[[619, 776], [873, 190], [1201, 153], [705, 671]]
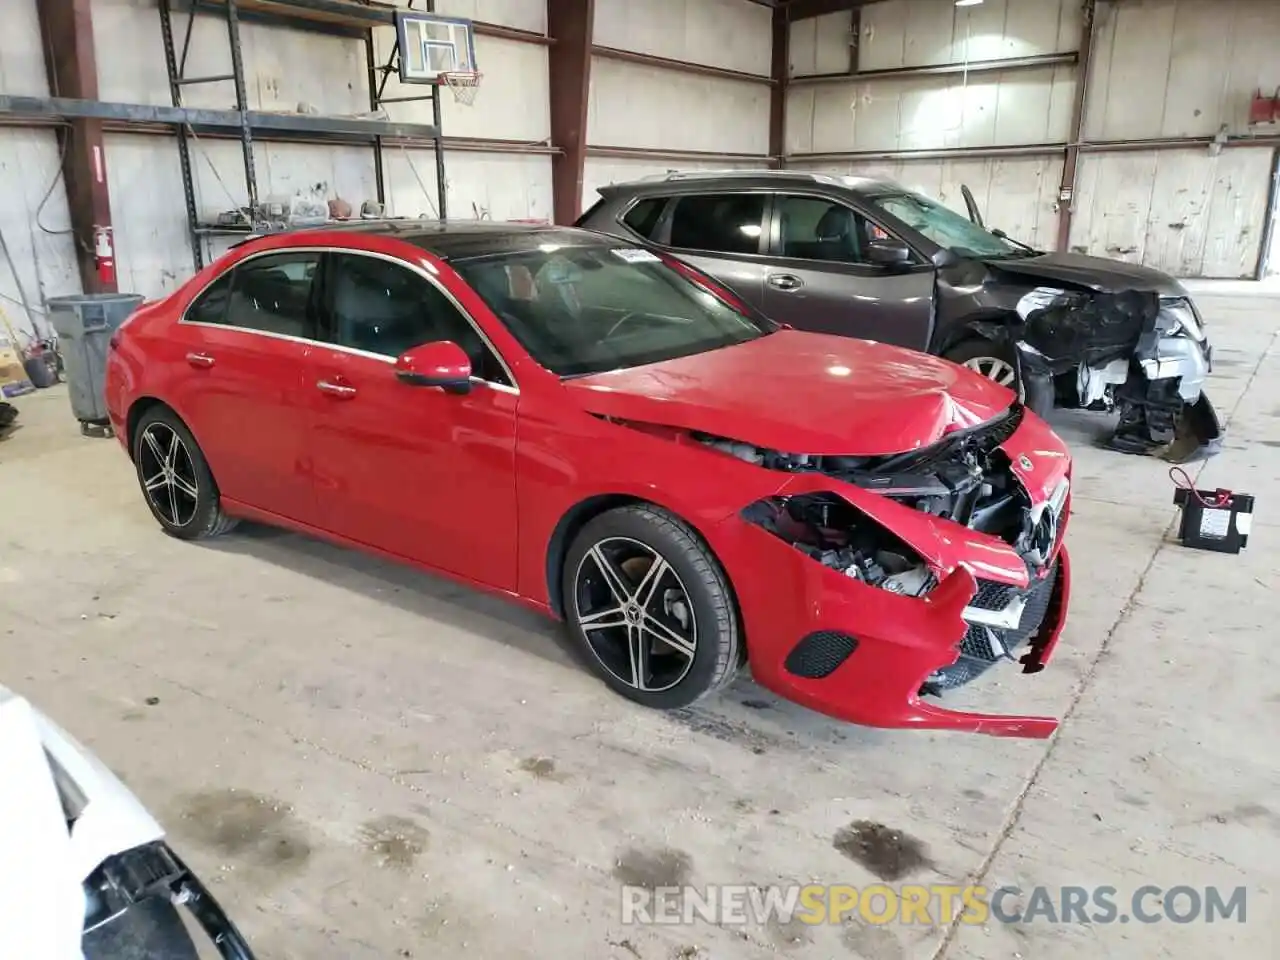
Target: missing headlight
[[838, 535]]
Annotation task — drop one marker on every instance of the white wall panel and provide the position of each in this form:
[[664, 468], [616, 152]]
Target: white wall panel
[[1182, 211], [1017, 194], [22, 71], [1171, 68], [821, 45], [602, 171], [632, 105], [732, 34], [486, 186], [912, 33], [43, 254], [1000, 108], [528, 15]]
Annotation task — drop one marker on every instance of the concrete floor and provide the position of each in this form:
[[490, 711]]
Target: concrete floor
[[369, 763]]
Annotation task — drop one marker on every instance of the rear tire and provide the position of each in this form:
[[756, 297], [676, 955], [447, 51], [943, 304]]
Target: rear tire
[[651, 608], [999, 362], [175, 479]]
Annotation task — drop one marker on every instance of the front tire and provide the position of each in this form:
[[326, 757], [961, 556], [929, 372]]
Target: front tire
[[651, 608], [175, 478]]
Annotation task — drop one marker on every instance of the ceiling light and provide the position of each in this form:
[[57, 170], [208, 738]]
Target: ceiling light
[[967, 3]]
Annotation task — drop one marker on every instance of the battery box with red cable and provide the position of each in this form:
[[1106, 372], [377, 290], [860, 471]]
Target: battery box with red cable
[[1217, 520]]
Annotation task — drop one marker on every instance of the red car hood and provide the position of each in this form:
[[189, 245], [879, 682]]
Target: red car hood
[[802, 393]]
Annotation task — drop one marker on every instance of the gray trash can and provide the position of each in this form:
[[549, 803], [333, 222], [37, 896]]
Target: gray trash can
[[84, 325]]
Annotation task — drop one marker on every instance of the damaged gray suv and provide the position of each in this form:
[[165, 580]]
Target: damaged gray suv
[[868, 258]]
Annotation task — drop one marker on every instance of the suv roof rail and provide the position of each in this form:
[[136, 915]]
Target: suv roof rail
[[738, 172]]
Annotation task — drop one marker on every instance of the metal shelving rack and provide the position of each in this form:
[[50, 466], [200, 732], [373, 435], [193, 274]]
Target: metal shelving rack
[[344, 17]]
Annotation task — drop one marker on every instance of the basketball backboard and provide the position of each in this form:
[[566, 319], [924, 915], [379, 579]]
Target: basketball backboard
[[430, 46]]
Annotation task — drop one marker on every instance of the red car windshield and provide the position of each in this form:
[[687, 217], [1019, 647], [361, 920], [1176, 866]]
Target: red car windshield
[[581, 310]]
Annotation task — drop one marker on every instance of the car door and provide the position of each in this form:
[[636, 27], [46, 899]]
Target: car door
[[415, 471], [722, 234], [820, 275], [245, 339]]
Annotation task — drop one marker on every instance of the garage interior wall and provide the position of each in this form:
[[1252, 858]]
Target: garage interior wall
[[1161, 70], [646, 118], [497, 159]]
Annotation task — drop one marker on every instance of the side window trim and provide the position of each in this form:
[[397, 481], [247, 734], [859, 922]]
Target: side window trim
[[659, 225], [327, 312]]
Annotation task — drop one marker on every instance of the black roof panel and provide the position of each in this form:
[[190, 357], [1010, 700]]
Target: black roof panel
[[464, 239]]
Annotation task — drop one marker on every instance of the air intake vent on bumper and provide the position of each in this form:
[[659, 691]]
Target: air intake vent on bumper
[[819, 654]]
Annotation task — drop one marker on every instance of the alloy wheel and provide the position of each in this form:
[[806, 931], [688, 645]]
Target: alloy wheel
[[993, 368], [636, 614], [169, 475]]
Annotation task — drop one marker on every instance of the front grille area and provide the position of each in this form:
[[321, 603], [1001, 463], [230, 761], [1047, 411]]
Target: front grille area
[[819, 654], [992, 595], [976, 656], [982, 440]]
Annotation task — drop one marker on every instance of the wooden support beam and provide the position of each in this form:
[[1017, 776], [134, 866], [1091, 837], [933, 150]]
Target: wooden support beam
[[66, 31], [570, 24]]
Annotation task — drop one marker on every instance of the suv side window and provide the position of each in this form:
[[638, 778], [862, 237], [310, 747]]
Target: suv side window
[[273, 294], [642, 218], [722, 223], [381, 307], [811, 228]]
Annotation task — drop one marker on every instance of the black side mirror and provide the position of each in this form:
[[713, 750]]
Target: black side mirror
[[888, 253]]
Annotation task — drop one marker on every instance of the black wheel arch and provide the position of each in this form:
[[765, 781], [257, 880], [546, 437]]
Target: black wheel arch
[[134, 417], [995, 325]]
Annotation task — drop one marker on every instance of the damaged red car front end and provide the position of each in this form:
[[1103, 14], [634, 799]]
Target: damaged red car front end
[[879, 653], [915, 543]]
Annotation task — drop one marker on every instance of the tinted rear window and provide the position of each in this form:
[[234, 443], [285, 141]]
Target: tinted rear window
[[724, 222]]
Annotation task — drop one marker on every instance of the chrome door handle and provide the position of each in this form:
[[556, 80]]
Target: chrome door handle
[[202, 360], [339, 390], [785, 281]]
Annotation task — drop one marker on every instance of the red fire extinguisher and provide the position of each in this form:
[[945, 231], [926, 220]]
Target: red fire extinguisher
[[104, 255]]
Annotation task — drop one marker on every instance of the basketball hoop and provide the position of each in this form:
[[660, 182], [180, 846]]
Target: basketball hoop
[[463, 84]]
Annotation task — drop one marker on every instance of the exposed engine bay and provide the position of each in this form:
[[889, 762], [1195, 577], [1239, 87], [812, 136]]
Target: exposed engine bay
[[1136, 353], [965, 478]]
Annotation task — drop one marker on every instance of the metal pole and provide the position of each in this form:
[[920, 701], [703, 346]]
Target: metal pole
[[184, 148], [371, 64], [439, 147], [242, 104]]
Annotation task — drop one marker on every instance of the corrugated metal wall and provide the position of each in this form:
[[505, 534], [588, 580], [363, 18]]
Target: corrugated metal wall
[[646, 107], [30, 167], [1162, 68], [286, 68]]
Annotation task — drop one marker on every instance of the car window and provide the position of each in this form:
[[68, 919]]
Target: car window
[[812, 228], [211, 305], [643, 217], [272, 293], [944, 226], [580, 310], [380, 307], [724, 223]]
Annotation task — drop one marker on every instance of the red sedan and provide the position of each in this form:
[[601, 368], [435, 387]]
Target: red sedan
[[605, 435]]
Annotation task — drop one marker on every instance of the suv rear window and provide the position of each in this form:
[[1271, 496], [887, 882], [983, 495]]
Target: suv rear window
[[643, 217], [724, 223]]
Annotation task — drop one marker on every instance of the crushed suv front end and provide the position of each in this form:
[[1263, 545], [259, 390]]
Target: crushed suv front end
[[1139, 354], [881, 583]]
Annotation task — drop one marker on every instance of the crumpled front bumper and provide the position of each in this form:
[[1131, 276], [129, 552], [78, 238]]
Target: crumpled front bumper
[[875, 649], [1164, 410]]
